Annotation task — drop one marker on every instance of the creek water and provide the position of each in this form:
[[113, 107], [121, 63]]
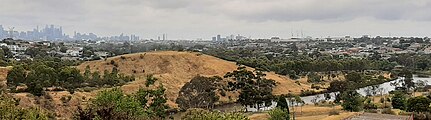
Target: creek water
[[383, 88]]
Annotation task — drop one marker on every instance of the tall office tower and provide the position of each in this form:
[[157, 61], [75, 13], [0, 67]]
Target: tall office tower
[[214, 39], [164, 37], [218, 37], [1, 32]]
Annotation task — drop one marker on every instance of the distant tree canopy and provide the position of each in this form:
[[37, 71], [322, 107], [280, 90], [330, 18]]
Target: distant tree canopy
[[354, 77], [35, 51], [299, 64], [338, 85], [253, 87], [200, 92], [39, 74]]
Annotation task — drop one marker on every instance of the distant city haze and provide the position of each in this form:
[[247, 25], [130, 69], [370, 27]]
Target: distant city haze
[[205, 19]]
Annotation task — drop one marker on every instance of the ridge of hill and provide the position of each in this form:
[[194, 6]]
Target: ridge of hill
[[174, 69]]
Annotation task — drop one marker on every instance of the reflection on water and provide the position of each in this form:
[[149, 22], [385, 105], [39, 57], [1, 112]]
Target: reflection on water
[[383, 88]]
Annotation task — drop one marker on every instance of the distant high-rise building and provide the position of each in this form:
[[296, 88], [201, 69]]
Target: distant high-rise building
[[164, 37], [1, 32], [218, 37], [51, 32], [214, 39]]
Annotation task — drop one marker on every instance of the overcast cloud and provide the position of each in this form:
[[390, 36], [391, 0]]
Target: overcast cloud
[[191, 19]]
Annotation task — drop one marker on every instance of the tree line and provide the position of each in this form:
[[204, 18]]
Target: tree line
[[39, 74]]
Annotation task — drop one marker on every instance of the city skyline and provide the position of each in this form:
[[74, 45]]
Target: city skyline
[[54, 32], [188, 19]]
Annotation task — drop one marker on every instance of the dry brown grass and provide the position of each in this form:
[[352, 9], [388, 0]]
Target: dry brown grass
[[174, 69], [310, 112], [3, 75], [259, 116], [54, 103]]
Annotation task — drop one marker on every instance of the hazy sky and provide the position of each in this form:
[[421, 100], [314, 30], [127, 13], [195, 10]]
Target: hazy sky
[[191, 19]]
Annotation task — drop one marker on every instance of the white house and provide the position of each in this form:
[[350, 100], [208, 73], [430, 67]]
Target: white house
[[16, 48], [74, 51], [262, 107]]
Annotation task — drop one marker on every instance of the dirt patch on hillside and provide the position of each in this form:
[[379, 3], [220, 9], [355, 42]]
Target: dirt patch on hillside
[[3, 75]]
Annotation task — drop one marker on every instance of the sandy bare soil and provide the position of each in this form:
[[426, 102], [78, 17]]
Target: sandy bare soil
[[375, 116], [311, 112]]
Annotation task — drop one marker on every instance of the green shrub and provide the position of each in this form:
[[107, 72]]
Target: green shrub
[[313, 78], [10, 111], [201, 114], [279, 114], [370, 105], [388, 111]]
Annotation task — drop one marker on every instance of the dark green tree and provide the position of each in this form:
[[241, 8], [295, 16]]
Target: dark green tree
[[352, 101], [418, 104], [200, 92], [157, 107], [63, 49], [282, 102], [399, 100], [253, 88], [16, 75], [354, 77], [153, 101], [337, 85], [39, 77], [70, 78]]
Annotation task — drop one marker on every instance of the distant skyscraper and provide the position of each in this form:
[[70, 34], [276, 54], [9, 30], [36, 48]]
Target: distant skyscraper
[[218, 37], [1, 32], [214, 39], [164, 37]]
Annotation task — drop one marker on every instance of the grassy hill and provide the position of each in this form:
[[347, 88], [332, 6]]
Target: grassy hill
[[174, 69]]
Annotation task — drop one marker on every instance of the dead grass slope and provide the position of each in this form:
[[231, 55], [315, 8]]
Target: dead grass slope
[[174, 69]]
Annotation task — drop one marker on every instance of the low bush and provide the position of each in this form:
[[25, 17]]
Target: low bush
[[200, 114], [278, 114], [370, 105], [388, 111]]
